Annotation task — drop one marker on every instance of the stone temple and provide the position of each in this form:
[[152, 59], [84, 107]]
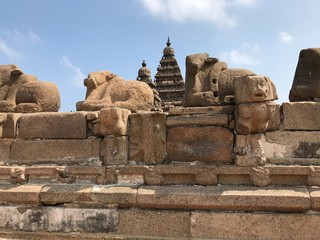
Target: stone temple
[[229, 164], [168, 80]]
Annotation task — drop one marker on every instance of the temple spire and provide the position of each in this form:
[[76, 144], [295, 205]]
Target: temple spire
[[169, 81]]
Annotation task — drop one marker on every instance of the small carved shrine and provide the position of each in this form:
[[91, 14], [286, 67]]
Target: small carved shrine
[[169, 81]]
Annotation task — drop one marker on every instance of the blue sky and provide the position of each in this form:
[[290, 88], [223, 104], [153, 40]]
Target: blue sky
[[62, 41]]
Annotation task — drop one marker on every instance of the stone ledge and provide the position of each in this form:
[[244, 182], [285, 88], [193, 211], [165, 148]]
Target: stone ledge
[[225, 198], [200, 120], [222, 198], [228, 109], [93, 195], [206, 175], [23, 194]]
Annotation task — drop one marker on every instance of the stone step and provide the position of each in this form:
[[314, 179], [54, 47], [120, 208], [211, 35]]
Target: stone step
[[222, 198], [86, 224]]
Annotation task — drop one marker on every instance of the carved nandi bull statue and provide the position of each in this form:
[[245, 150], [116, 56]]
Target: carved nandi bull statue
[[21, 92], [209, 81], [105, 89]]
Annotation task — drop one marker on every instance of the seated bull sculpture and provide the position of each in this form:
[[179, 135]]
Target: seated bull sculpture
[[105, 89], [209, 81], [21, 92]]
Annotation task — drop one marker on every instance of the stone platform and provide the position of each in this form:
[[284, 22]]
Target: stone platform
[[153, 175]]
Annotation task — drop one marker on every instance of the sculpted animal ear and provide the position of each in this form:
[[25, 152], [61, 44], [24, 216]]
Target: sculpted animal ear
[[273, 88], [85, 81], [16, 72]]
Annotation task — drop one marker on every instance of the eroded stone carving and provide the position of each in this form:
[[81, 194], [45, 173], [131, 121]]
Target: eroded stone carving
[[254, 117], [260, 176], [105, 89], [113, 121], [249, 150], [209, 81], [306, 84], [21, 92], [254, 88], [314, 176], [147, 137]]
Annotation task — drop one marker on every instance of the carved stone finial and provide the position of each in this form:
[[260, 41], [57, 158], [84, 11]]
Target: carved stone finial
[[168, 42]]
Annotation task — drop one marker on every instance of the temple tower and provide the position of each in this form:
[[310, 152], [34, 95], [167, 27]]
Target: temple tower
[[144, 75], [168, 80]]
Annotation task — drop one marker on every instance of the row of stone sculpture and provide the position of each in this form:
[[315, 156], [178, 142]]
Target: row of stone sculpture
[[208, 82]]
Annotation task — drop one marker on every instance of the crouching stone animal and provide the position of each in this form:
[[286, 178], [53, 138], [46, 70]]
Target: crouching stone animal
[[105, 89], [21, 92]]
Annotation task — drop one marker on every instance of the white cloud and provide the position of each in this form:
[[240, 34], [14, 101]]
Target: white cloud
[[215, 11], [238, 58], [285, 37], [10, 53], [21, 38], [78, 76], [251, 47], [245, 56]]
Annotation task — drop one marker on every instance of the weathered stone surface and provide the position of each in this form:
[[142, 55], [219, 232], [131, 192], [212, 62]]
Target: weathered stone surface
[[8, 124], [275, 124], [53, 125], [253, 117], [315, 199], [65, 194], [314, 176], [167, 224], [105, 89], [228, 109], [4, 152], [114, 150], [237, 198], [209, 81], [298, 147], [187, 120], [260, 176], [85, 151], [249, 150], [25, 93], [301, 116], [259, 226], [205, 144], [254, 88], [306, 86], [147, 137], [113, 121], [23, 194], [181, 175], [162, 175], [122, 196], [55, 219]]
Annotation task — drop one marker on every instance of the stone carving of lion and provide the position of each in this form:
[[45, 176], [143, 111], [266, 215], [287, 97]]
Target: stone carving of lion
[[105, 89], [21, 92]]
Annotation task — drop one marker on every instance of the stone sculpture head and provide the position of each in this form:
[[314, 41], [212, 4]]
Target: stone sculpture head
[[254, 88], [95, 79], [113, 121]]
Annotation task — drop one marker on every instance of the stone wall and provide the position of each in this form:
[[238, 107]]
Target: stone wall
[[149, 175]]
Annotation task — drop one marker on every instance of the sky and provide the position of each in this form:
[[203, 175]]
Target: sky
[[63, 41]]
